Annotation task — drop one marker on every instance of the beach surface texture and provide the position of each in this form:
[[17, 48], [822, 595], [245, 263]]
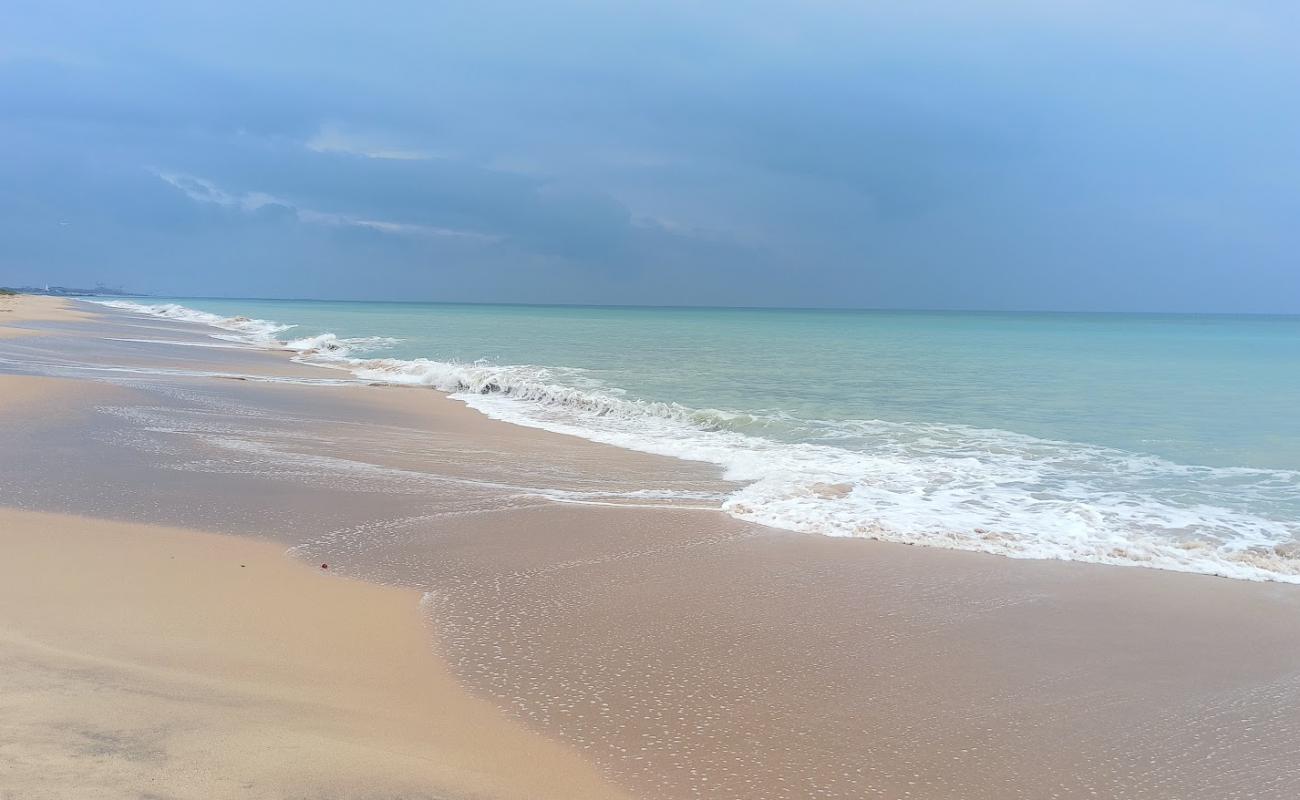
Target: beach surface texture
[[227, 573]]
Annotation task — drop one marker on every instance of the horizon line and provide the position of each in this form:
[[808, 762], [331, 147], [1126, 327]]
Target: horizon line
[[704, 307]]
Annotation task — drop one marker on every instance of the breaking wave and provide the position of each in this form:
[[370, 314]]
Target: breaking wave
[[949, 486]]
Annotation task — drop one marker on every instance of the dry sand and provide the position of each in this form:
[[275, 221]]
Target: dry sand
[[16, 310], [143, 661]]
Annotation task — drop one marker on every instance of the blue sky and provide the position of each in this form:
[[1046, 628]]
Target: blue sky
[[1067, 155]]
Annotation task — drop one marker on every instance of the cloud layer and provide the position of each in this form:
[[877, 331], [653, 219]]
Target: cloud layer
[[996, 155]]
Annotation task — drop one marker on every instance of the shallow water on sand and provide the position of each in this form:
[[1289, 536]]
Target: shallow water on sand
[[1155, 440], [686, 653]]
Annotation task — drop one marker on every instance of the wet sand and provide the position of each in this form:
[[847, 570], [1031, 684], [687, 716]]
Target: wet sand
[[680, 652]]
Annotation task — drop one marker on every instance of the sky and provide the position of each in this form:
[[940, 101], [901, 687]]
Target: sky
[[1004, 154]]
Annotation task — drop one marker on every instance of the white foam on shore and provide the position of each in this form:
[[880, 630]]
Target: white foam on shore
[[946, 486], [254, 332]]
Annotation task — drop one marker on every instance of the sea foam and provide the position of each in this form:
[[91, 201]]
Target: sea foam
[[949, 486]]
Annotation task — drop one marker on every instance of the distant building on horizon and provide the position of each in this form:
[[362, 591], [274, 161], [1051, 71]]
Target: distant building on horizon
[[70, 291]]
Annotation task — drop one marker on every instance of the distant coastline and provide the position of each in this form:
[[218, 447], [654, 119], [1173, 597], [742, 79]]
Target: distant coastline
[[72, 291]]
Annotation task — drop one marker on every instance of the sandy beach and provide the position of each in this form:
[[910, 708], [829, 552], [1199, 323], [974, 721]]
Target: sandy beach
[[17, 310], [168, 630], [147, 661]]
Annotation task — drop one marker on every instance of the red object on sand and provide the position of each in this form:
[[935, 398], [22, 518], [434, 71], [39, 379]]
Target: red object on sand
[[324, 566]]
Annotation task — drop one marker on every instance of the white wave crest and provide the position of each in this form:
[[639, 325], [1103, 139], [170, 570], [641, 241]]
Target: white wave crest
[[327, 345], [256, 332], [946, 486]]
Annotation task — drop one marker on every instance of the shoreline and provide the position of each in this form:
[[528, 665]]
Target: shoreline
[[144, 660], [680, 652], [798, 495]]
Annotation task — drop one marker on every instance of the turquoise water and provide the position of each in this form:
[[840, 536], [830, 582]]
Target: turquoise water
[[1170, 441]]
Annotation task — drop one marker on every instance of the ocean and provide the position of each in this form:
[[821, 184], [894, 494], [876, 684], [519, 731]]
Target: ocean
[[1167, 441]]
